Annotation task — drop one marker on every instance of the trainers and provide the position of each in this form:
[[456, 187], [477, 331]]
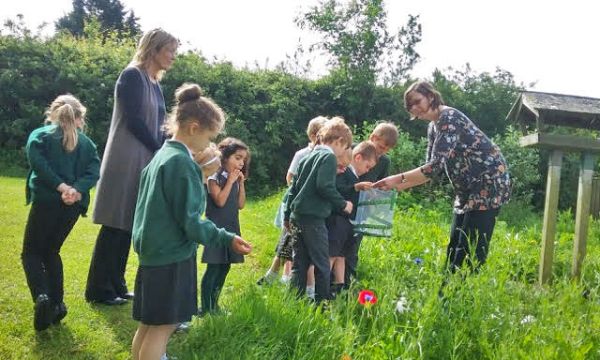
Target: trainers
[[60, 312], [183, 327], [43, 312]]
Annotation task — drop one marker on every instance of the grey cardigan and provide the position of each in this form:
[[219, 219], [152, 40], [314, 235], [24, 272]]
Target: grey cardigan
[[125, 155]]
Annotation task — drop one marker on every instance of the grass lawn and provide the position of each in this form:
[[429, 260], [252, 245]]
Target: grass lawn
[[498, 314]]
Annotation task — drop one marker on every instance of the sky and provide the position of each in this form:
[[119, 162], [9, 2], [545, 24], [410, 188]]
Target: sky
[[553, 44]]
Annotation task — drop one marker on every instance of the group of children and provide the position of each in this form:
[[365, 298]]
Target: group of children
[[324, 180]]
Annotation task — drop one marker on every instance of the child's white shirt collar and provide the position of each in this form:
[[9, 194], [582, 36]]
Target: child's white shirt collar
[[214, 176], [353, 170]]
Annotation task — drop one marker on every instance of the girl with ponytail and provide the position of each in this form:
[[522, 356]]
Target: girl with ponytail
[[64, 167], [168, 224]]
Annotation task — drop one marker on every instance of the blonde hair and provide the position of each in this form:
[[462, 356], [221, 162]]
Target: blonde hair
[[346, 158], [333, 130], [366, 149], [388, 132], [314, 126], [191, 105], [149, 45], [63, 112]]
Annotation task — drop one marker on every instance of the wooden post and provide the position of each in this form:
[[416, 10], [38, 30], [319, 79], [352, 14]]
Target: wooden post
[[582, 217], [595, 205], [550, 212]]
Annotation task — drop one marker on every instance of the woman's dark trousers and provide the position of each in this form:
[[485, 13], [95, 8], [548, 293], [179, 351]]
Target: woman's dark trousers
[[106, 278]]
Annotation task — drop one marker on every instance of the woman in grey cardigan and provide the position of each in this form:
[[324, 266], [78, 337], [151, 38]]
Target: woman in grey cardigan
[[135, 135]]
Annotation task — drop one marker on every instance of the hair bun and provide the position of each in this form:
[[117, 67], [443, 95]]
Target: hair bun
[[188, 92]]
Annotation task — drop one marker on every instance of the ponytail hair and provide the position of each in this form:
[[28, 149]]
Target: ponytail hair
[[63, 112], [192, 105]]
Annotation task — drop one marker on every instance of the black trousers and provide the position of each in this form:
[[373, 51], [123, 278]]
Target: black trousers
[[47, 228], [470, 236], [106, 277], [212, 284], [312, 247]]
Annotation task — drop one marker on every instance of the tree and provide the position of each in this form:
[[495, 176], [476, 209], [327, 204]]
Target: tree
[[110, 14], [362, 51], [356, 37]]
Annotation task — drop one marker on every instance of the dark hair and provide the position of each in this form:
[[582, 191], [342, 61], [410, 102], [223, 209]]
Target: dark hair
[[426, 89], [230, 146]]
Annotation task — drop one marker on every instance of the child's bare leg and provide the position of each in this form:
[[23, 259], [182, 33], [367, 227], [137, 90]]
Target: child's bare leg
[[275, 265], [287, 268], [154, 343], [310, 276], [310, 282], [138, 339], [338, 269]]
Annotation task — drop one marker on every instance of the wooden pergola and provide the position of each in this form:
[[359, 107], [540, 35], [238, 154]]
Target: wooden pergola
[[539, 111]]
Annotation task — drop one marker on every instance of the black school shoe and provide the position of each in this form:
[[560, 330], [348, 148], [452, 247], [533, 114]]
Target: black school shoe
[[43, 312]]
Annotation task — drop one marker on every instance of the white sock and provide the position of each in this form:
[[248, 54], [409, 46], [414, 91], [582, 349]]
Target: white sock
[[270, 274], [285, 279], [310, 291]]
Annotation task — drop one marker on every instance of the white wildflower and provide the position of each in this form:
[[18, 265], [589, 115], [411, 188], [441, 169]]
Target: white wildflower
[[402, 305], [528, 320]]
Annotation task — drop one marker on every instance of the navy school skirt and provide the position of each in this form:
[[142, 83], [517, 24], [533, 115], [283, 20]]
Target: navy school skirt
[[166, 294]]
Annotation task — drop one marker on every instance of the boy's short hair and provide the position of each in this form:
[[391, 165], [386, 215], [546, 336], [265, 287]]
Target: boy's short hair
[[314, 126], [366, 149], [388, 132], [334, 129]]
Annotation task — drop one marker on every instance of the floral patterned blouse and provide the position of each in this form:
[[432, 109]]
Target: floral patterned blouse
[[473, 163]]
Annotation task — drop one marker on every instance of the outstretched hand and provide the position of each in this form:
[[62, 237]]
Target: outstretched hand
[[241, 246], [387, 183], [364, 185]]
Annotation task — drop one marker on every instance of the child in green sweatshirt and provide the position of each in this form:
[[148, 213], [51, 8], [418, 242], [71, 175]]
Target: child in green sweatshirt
[[311, 199], [168, 227], [64, 167]]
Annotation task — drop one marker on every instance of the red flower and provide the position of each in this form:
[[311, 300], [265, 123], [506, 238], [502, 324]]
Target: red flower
[[367, 298]]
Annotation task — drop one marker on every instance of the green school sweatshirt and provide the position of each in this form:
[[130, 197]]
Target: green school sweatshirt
[[313, 195], [167, 226], [51, 165]]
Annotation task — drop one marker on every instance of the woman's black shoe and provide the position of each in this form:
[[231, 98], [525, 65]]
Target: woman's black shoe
[[43, 312], [111, 302], [60, 313], [127, 296]]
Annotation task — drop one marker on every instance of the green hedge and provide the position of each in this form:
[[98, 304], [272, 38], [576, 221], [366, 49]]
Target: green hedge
[[268, 109]]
